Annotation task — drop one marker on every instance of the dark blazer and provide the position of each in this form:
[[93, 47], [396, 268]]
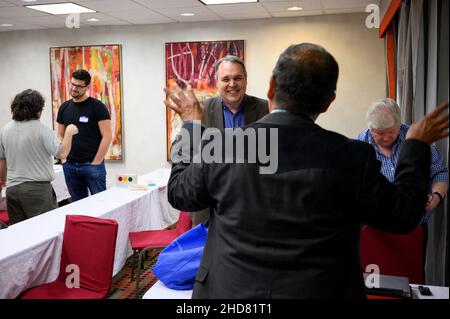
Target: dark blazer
[[255, 109], [295, 233]]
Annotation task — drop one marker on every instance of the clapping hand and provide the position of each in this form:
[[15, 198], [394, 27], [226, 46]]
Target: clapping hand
[[185, 105]]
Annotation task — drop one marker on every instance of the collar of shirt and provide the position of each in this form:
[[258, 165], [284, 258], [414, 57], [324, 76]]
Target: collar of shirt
[[232, 120], [279, 111], [400, 139]]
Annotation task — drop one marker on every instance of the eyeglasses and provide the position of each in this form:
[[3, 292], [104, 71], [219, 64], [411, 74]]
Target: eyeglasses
[[78, 86]]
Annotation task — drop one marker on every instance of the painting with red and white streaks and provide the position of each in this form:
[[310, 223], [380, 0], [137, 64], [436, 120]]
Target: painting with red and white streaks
[[193, 63], [103, 62]]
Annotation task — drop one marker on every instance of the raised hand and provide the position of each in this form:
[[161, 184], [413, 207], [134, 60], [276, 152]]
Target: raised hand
[[186, 105], [431, 127]]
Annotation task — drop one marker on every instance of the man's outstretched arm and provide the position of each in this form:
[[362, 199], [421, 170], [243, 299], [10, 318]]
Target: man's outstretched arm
[[187, 188]]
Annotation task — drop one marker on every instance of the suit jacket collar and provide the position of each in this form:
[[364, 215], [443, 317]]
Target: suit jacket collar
[[216, 114], [287, 118], [250, 114]]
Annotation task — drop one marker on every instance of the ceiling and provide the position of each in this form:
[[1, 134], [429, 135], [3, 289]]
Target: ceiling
[[130, 12]]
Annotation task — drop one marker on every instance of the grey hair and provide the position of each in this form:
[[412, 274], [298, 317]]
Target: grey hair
[[383, 114], [232, 59]]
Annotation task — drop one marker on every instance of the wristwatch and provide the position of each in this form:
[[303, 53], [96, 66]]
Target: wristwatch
[[440, 198]]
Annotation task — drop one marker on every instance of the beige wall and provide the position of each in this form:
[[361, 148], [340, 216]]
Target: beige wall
[[384, 5], [24, 61]]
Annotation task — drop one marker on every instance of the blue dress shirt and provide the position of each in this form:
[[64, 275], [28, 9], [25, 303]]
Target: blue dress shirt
[[233, 120]]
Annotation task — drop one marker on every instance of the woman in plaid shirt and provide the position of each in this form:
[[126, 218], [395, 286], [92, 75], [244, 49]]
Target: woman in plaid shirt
[[386, 134]]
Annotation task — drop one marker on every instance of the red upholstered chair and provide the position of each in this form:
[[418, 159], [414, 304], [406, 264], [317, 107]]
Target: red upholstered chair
[[144, 241], [89, 243], [4, 219], [395, 254]]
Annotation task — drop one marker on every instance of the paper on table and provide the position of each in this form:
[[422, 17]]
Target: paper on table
[[153, 182], [138, 187], [158, 178]]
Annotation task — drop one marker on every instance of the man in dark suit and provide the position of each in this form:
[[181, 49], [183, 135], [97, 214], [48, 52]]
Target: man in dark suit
[[295, 233], [233, 107]]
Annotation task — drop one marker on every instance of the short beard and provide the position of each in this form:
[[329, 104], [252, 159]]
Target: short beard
[[75, 96]]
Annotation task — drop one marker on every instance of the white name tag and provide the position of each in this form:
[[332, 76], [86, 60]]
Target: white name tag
[[84, 119]]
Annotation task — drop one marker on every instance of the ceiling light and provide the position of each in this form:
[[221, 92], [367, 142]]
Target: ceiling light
[[93, 20], [61, 8], [29, 0], [187, 14], [295, 8], [211, 2], [6, 25]]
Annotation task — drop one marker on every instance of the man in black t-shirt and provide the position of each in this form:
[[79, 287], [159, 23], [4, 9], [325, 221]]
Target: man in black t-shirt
[[85, 167]]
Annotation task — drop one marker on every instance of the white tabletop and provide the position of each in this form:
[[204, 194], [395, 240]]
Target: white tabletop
[[436, 291], [160, 291], [30, 251]]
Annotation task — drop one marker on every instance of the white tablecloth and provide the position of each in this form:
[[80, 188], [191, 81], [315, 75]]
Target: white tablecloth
[[30, 251], [59, 184]]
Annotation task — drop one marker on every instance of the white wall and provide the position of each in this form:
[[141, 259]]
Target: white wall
[[24, 62]]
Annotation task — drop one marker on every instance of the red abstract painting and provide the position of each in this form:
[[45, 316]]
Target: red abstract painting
[[103, 62], [193, 63]]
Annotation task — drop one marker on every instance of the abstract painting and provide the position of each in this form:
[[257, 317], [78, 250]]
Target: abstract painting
[[103, 62], [193, 63]]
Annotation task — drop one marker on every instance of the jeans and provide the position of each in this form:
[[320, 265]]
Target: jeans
[[81, 177]]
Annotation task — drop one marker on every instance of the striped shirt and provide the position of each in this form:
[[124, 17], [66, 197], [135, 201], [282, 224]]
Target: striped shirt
[[439, 173]]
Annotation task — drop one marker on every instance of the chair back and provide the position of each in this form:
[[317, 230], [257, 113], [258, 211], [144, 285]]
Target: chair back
[[89, 243], [395, 254], [4, 217], [184, 223]]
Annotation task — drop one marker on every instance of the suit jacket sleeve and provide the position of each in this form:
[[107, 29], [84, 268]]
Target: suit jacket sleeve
[[187, 188], [397, 207]]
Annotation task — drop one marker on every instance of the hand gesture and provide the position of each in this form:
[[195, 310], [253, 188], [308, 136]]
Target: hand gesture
[[186, 105], [431, 127]]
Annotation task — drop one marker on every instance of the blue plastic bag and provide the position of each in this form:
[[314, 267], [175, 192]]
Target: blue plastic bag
[[178, 263]]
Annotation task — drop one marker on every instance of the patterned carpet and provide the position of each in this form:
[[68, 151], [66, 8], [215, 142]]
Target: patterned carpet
[[123, 287]]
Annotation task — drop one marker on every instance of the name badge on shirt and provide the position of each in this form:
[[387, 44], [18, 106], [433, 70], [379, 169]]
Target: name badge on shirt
[[84, 119]]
